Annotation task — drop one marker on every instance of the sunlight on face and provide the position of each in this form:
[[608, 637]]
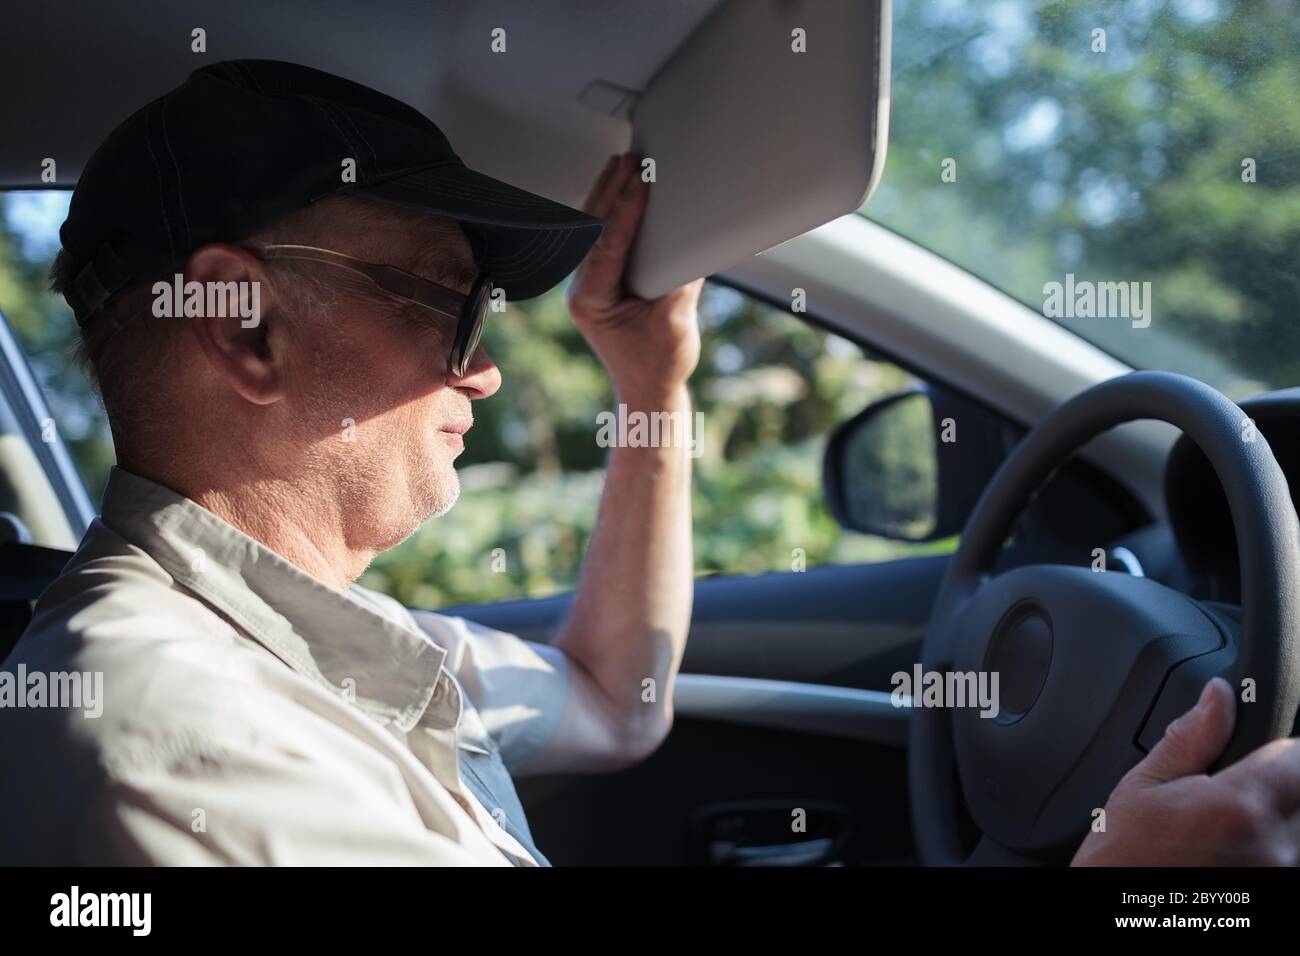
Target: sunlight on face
[[377, 411]]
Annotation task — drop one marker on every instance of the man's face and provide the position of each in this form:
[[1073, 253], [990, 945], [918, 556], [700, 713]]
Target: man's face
[[377, 411]]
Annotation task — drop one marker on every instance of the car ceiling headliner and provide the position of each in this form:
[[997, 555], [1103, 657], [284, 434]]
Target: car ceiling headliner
[[71, 71]]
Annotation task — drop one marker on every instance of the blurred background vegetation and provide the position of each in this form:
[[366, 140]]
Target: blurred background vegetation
[[1122, 164], [771, 388]]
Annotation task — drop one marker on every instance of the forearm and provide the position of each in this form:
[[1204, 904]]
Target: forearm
[[632, 610]]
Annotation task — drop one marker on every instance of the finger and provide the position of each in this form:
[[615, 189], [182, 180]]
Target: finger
[[603, 268], [599, 187], [688, 294], [685, 296], [604, 203], [1273, 771], [625, 218], [1194, 741]]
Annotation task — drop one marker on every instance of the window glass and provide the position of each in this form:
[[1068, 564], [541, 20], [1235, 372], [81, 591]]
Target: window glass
[[44, 327], [769, 390], [1112, 150]]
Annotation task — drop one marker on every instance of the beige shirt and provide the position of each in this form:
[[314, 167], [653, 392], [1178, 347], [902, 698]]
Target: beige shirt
[[251, 715]]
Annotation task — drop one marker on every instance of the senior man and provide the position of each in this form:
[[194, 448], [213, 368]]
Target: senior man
[[261, 707]]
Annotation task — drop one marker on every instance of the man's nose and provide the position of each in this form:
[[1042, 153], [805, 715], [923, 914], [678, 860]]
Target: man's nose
[[482, 377]]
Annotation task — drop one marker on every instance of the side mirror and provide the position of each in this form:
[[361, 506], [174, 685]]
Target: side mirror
[[911, 466]]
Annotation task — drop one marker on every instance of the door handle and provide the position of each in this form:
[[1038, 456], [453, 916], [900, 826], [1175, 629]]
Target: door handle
[[791, 832], [803, 853]]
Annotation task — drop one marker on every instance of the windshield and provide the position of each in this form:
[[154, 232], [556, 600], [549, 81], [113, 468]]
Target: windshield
[[1126, 168]]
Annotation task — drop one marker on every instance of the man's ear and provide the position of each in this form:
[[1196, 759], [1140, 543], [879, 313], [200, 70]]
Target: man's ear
[[236, 335]]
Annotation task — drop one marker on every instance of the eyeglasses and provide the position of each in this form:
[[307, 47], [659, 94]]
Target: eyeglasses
[[470, 311]]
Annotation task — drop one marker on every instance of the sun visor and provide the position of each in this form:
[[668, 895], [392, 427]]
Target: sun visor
[[770, 120]]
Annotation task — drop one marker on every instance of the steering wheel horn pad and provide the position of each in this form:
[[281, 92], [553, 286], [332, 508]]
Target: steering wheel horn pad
[[1099, 646]]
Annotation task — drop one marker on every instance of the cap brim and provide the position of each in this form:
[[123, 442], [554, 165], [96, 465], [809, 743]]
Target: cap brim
[[525, 243]]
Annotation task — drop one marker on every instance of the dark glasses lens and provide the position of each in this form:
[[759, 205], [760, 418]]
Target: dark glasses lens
[[472, 322]]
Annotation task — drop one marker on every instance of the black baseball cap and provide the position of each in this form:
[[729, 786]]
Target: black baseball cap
[[243, 143]]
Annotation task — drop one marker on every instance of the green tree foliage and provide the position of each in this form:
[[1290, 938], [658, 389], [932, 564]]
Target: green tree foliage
[[46, 330], [1123, 163]]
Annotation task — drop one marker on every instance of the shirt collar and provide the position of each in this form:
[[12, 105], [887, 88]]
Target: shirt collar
[[386, 668]]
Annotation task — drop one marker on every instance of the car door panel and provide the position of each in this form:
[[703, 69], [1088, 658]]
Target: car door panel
[[785, 748]]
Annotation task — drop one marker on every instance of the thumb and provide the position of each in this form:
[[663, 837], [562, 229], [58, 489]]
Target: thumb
[[1193, 741]]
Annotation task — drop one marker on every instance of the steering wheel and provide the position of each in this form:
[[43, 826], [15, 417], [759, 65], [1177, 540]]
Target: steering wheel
[[1093, 666]]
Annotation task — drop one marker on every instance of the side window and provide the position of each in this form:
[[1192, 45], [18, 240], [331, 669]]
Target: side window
[[46, 330], [769, 390], [772, 388]]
